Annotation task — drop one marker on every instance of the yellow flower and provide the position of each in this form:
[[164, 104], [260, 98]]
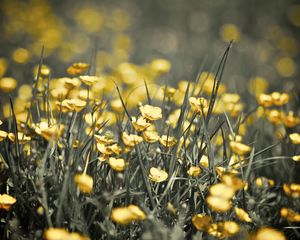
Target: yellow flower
[[292, 190], [22, 138], [280, 99], [70, 83], [157, 175], [117, 164], [268, 233], [239, 148], [6, 201], [3, 135], [290, 120], [223, 229], [232, 181], [167, 141], [84, 182], [77, 68], [150, 136], [199, 105], [69, 105], [230, 32], [140, 124], [230, 98], [242, 214], [265, 100], [263, 182], [221, 190], [126, 215], [295, 137], [201, 222], [258, 85], [218, 204], [8, 84], [108, 150], [131, 140], [160, 66], [105, 140], [204, 161], [49, 131], [296, 158], [151, 113], [89, 80], [194, 171], [290, 215], [62, 234]]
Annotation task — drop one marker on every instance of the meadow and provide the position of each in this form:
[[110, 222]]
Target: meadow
[[104, 138]]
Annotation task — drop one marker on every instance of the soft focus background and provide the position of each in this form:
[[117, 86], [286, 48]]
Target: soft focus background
[[188, 33]]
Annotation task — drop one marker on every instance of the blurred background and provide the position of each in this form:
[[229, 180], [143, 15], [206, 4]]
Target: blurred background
[[187, 33]]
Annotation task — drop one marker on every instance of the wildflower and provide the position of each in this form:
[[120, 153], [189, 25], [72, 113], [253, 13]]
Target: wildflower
[[268, 233], [140, 124], [242, 214], [62, 234], [201, 222], [223, 229], [290, 120], [290, 215], [117, 164], [89, 80], [84, 182], [22, 138], [167, 141], [8, 84], [296, 158], [48, 131], [232, 181], [77, 68], [151, 113], [204, 161], [264, 182], [131, 140], [126, 215], [160, 66], [292, 190], [239, 148], [258, 85], [3, 135], [105, 140], [69, 105], [171, 208], [44, 71], [194, 171], [157, 175], [218, 204], [279, 99], [274, 116], [265, 100], [295, 137], [6, 201], [150, 136], [230, 32], [70, 83], [230, 98], [108, 150], [199, 105]]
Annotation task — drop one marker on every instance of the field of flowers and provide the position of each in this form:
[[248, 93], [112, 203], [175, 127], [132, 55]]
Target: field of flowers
[[154, 120]]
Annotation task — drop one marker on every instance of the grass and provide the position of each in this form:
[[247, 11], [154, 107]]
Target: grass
[[40, 174]]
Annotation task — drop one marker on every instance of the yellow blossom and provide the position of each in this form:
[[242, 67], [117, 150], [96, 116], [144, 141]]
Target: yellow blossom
[[49, 131], [131, 140], [280, 99], [201, 222], [290, 215], [150, 112], [105, 140], [77, 68], [265, 100], [292, 190], [239, 148], [108, 150], [89, 80], [199, 105], [268, 233], [62, 234], [7, 84], [204, 161], [296, 158], [242, 214], [126, 215], [140, 124], [290, 120], [194, 171], [6, 201], [3, 135], [160, 66], [150, 136], [167, 141], [117, 164], [22, 138], [84, 182], [295, 137], [157, 175]]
